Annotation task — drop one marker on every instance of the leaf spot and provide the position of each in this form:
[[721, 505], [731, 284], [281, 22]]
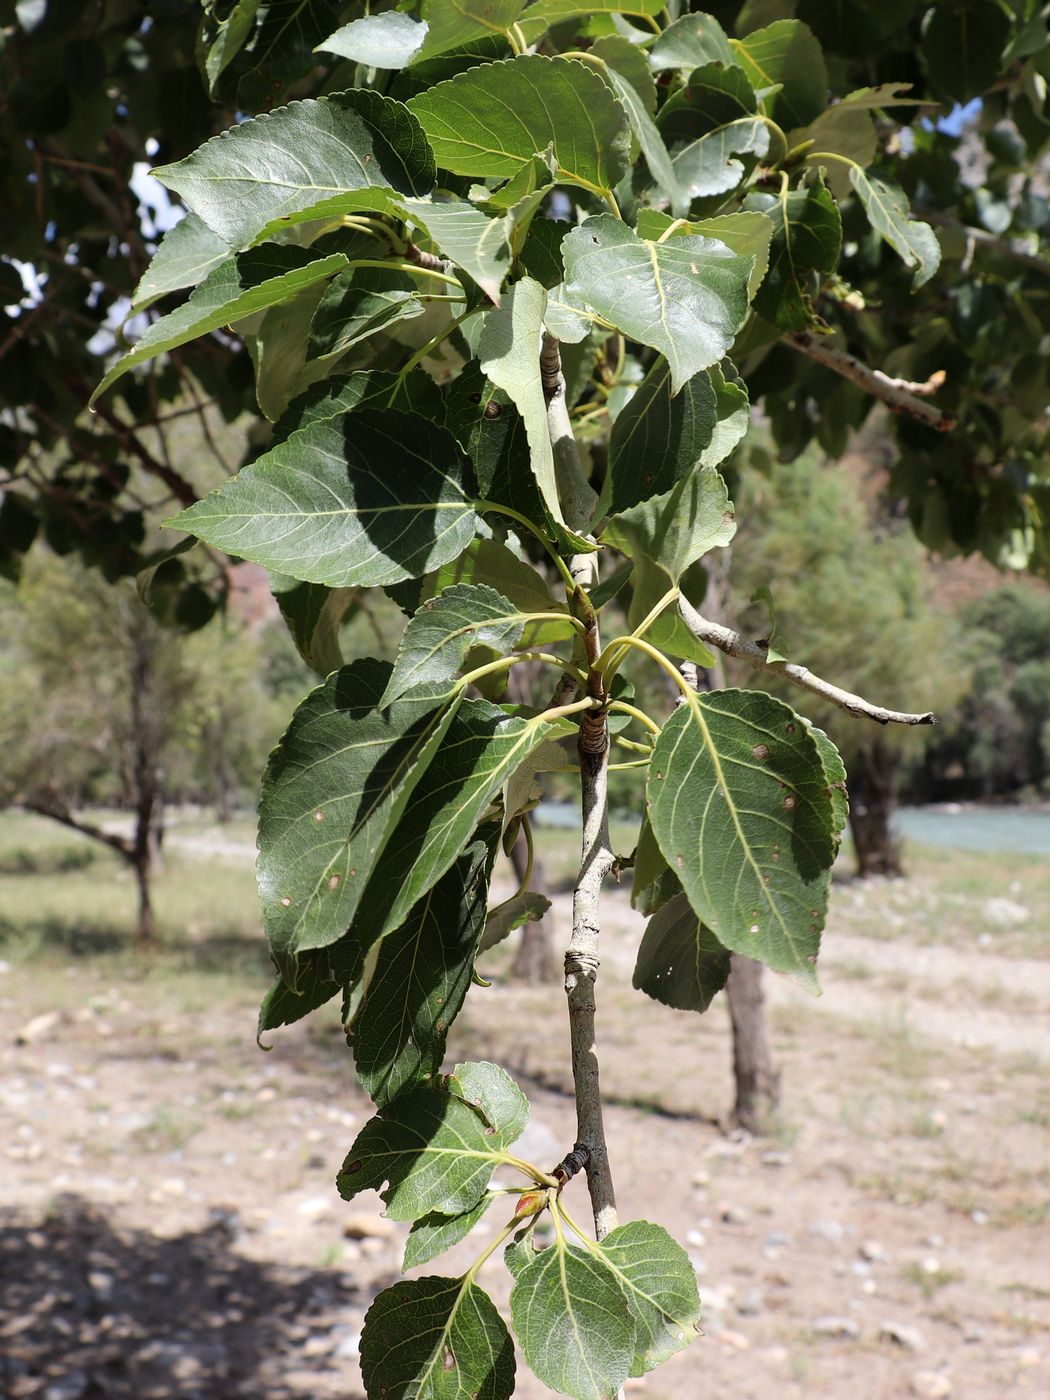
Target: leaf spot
[[679, 860], [352, 1167], [761, 752], [286, 902], [790, 729], [493, 410], [754, 928], [448, 1361], [333, 881], [811, 958], [789, 802], [318, 816]]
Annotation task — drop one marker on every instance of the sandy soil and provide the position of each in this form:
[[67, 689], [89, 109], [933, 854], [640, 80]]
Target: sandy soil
[[170, 1227]]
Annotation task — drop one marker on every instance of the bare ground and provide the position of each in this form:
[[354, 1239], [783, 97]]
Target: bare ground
[[170, 1228]]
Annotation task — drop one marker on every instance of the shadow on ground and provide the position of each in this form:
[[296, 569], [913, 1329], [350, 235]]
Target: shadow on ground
[[88, 1313]]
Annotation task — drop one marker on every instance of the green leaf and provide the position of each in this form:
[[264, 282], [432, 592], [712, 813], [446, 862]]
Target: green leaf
[[313, 615], [659, 1283], [389, 40], [656, 439], [807, 237], [281, 48], [420, 977], [639, 101], [733, 413], [786, 55], [835, 773], [436, 1339], [713, 96], [431, 1150], [739, 803], [480, 245], [527, 908], [357, 304], [480, 749], [708, 166], [509, 354], [282, 1007], [434, 1233], [229, 38], [491, 120], [185, 256], [674, 530], [690, 42], [373, 499], [544, 14], [573, 1322], [886, 206], [686, 298], [746, 232], [437, 639], [680, 961], [416, 393], [962, 43], [235, 288], [276, 341], [491, 564], [453, 24], [333, 791], [841, 130], [321, 157]]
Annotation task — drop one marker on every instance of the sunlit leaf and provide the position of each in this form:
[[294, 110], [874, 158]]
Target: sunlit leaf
[[659, 1283], [785, 55], [184, 257], [387, 40], [432, 1234], [887, 209]]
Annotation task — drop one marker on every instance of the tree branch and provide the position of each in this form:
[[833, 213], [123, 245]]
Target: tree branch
[[733, 644], [901, 395], [59, 812], [596, 855], [179, 487]]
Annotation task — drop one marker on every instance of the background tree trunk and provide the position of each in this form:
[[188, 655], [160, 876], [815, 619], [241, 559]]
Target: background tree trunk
[[757, 1083], [873, 786], [534, 961]]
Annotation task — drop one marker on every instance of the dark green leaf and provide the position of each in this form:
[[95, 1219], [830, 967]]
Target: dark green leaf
[[433, 1234], [235, 288], [637, 93], [372, 499], [787, 55], [357, 304], [313, 615], [436, 1339], [491, 120], [456, 23], [733, 413], [656, 439], [673, 531], [680, 962], [520, 909], [807, 237], [573, 1322], [686, 298], [322, 157], [416, 393], [420, 977], [962, 43], [887, 209], [431, 1150], [659, 1283], [739, 803], [227, 40], [543, 14], [333, 791], [477, 754]]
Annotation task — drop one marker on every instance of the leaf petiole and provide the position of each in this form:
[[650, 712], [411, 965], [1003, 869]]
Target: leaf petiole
[[635, 713]]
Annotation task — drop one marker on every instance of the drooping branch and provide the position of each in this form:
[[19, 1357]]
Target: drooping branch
[[724, 639], [900, 395], [59, 812]]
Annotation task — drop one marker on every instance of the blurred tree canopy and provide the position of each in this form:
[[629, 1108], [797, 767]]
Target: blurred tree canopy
[[95, 91]]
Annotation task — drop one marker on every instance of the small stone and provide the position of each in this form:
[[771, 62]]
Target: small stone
[[777, 1239], [100, 1283], [979, 1217], [368, 1227], [777, 1355], [869, 1286], [873, 1252], [930, 1385], [702, 1178], [931, 1265], [830, 1230], [934, 1241], [836, 1326], [696, 1238], [776, 1159], [1029, 1356], [751, 1302], [734, 1215], [373, 1247], [736, 1341], [314, 1207], [910, 1338], [38, 1029]]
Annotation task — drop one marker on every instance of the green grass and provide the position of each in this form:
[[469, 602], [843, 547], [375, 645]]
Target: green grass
[[57, 905]]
